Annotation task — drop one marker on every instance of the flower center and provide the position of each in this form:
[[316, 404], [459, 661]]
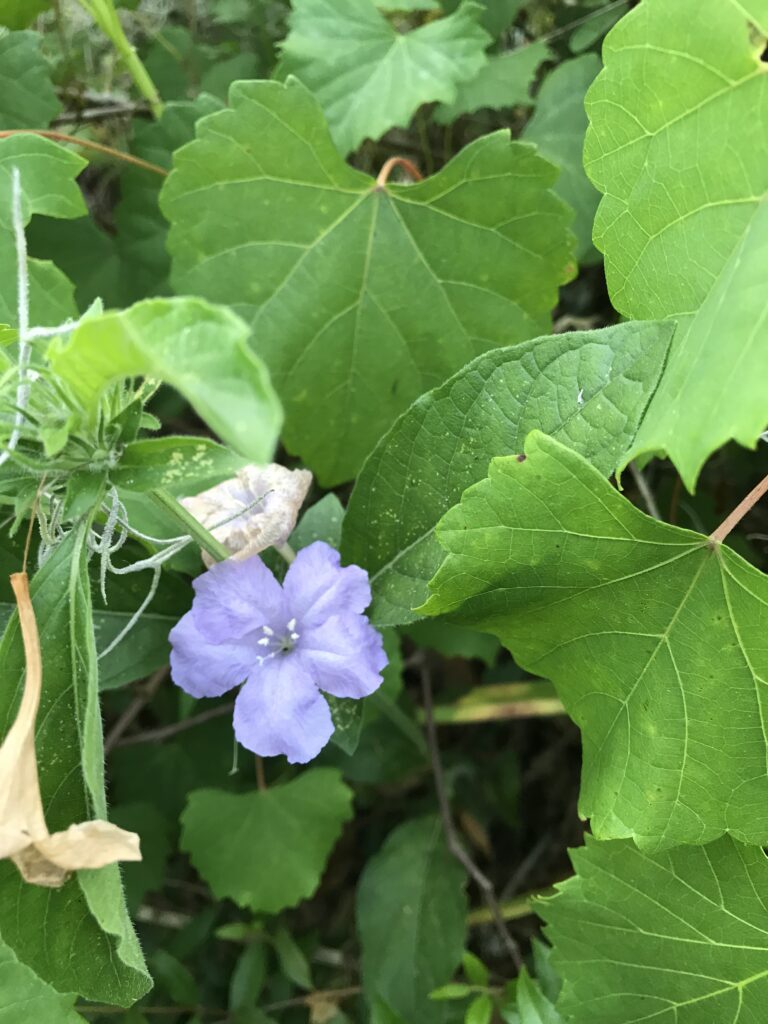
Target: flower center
[[278, 642]]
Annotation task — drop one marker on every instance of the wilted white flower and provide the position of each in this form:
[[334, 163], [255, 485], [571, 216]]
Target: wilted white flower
[[253, 511]]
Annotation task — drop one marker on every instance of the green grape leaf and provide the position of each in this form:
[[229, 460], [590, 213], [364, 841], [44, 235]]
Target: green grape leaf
[[180, 465], [27, 96], [652, 635], [677, 936], [497, 15], [141, 227], [505, 81], [533, 1006], [558, 126], [589, 388], [361, 297], [683, 221], [199, 349], [77, 938], [367, 76], [47, 172], [411, 919], [25, 997], [267, 850]]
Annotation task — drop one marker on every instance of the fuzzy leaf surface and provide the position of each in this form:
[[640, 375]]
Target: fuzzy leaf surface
[[199, 349], [77, 938], [678, 936], [683, 221], [361, 298], [590, 389], [411, 919], [269, 848], [367, 76], [47, 172], [653, 637]]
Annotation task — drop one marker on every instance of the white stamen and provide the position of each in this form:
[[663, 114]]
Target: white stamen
[[291, 625], [294, 636], [264, 642], [268, 630]]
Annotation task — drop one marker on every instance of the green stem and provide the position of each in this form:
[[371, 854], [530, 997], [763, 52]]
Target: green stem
[[104, 14], [195, 529]]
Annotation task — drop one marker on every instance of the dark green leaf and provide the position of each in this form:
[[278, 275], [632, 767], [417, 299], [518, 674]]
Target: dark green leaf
[[27, 96], [361, 297], [411, 911], [290, 829], [653, 636], [590, 389]]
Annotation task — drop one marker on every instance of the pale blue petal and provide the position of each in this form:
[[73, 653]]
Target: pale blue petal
[[233, 599], [316, 587], [346, 655], [205, 669], [281, 711]]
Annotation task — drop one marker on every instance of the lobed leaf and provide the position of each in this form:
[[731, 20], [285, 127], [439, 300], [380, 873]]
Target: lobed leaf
[[653, 636], [678, 936], [589, 388], [367, 76], [361, 297], [678, 144]]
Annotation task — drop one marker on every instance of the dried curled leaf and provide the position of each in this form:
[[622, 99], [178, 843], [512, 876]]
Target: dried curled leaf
[[255, 510], [42, 858]]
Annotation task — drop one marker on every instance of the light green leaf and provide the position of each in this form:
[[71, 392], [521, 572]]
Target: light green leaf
[[408, 5], [653, 636], [679, 145], [25, 997], [179, 465], [289, 830], [197, 348], [322, 521], [497, 15], [367, 76], [293, 963], [505, 81], [77, 938], [533, 1005], [590, 388], [361, 297], [141, 227], [480, 1010], [15, 14], [591, 30], [411, 919], [27, 96], [558, 126], [679, 936], [48, 187]]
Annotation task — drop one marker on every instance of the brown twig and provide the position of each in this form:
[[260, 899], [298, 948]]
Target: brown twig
[[142, 698], [398, 161], [116, 154], [451, 836], [165, 732], [739, 512]]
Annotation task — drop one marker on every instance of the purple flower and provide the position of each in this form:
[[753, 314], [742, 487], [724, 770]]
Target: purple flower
[[286, 642]]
